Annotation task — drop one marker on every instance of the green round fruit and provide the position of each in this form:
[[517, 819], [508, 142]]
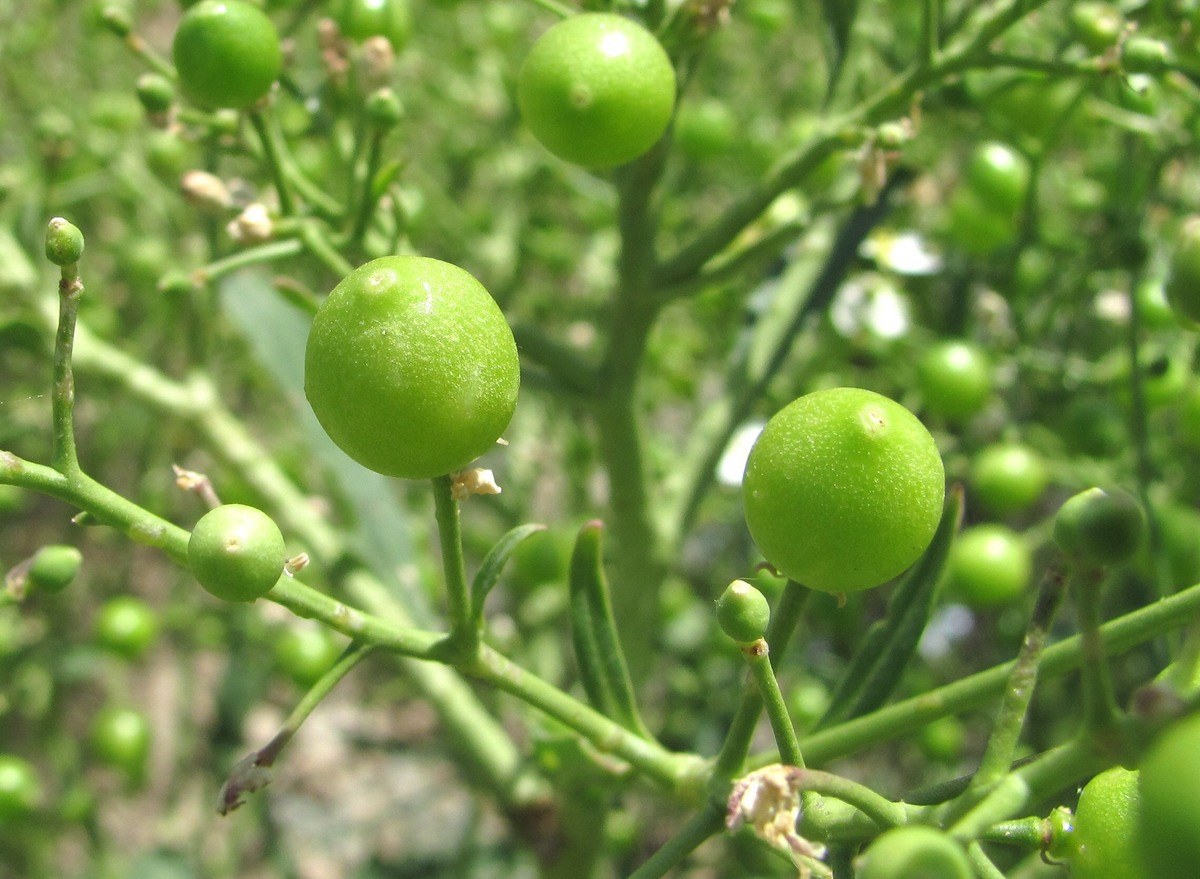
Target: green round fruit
[[64, 242], [974, 227], [305, 653], [1107, 841], [915, 851], [743, 612], [1144, 55], [127, 626], [843, 489], [120, 737], [1100, 526], [361, 19], [955, 378], [1096, 25], [705, 129], [998, 176], [1008, 477], [236, 552], [411, 367], [226, 53], [1170, 801], [597, 90], [20, 789], [54, 567], [989, 566]]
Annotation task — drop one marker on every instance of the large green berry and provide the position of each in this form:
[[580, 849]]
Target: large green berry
[[843, 490], [597, 89], [1100, 526], [227, 54], [1169, 785], [914, 851], [1107, 839], [236, 552], [411, 367]]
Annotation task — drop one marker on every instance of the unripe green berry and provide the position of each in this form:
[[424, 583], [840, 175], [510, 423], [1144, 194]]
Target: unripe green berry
[[743, 612], [64, 242], [54, 567], [384, 109], [1144, 55], [117, 20], [155, 92], [236, 552], [1101, 526]]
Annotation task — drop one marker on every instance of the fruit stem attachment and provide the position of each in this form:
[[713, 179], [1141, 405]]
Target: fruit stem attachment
[[464, 635], [1099, 703], [758, 658], [64, 457], [741, 730], [271, 155]]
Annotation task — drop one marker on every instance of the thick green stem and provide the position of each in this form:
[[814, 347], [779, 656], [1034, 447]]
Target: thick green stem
[[706, 823], [271, 155], [981, 863], [1099, 701], [878, 808], [62, 399], [464, 634], [758, 657]]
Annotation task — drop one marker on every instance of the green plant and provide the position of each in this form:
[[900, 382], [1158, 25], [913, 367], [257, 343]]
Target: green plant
[[1100, 526], [998, 176], [362, 19], [1107, 838], [236, 552], [127, 626], [597, 90], [1007, 477], [411, 368], [843, 489], [120, 738], [227, 54], [989, 566], [1167, 793], [955, 378], [916, 852], [21, 791]]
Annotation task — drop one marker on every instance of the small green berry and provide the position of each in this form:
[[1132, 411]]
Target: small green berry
[[384, 109], [64, 242], [1102, 526], [236, 552], [155, 92], [1144, 55], [54, 567], [743, 612]]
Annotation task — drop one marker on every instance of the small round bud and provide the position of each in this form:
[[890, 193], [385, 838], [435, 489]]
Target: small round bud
[[155, 92], [253, 225], [384, 109], [1096, 25], [1102, 526], [743, 612], [54, 567], [1144, 55], [893, 135], [64, 242], [206, 190]]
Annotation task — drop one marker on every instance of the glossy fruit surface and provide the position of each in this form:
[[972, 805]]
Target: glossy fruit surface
[[20, 789], [1007, 477], [955, 378], [998, 176], [843, 489], [743, 612], [226, 54], [1107, 839], [914, 851], [989, 566], [1170, 801], [236, 552], [597, 90], [362, 19], [1100, 526], [411, 368], [127, 626]]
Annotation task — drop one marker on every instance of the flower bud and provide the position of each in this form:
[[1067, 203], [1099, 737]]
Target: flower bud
[[64, 242], [743, 612]]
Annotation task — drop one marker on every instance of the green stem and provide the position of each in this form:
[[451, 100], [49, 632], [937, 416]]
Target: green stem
[[973, 691], [1027, 833], [366, 200], [708, 822], [741, 730], [464, 635], [981, 863], [64, 456], [758, 657], [878, 808], [270, 150], [1099, 701], [559, 9], [251, 256], [1018, 692], [318, 245]]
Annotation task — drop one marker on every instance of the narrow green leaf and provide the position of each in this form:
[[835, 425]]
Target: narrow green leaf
[[493, 565], [839, 22], [891, 642], [582, 578]]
